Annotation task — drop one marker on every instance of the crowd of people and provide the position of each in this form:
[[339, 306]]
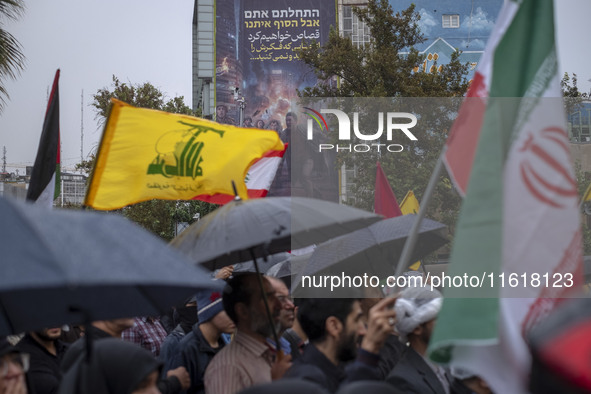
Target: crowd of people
[[224, 341]]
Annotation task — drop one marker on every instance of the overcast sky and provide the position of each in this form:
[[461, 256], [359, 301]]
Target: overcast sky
[[144, 41]]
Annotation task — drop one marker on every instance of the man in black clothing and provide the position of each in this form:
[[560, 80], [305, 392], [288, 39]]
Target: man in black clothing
[[334, 327], [417, 309], [46, 352]]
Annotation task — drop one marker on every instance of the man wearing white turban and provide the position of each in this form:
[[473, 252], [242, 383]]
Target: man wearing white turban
[[416, 311]]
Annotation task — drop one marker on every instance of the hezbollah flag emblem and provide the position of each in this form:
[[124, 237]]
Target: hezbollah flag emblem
[[147, 154]]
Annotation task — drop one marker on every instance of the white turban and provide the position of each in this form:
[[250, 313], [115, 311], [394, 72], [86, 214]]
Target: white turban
[[415, 306]]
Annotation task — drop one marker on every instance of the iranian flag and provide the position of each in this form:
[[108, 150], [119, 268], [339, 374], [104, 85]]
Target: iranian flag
[[44, 186], [518, 231]]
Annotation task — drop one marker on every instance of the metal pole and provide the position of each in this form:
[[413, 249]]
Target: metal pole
[[411, 240]]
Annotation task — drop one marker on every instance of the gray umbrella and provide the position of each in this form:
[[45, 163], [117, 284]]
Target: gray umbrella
[[264, 264], [373, 250], [289, 268], [55, 262], [264, 226]]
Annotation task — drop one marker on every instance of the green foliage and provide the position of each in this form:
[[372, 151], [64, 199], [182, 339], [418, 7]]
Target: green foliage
[[583, 180], [157, 216], [12, 60], [143, 95], [573, 98], [379, 69]]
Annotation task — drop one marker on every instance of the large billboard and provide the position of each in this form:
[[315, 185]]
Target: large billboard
[[257, 43], [258, 75]]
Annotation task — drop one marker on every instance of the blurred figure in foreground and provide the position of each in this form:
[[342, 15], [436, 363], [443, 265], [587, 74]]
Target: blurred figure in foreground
[[13, 369], [116, 367]]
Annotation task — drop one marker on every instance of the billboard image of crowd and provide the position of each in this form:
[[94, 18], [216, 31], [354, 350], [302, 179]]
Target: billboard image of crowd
[[258, 75]]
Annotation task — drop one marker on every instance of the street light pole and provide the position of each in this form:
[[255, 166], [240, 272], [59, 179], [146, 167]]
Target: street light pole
[[241, 104]]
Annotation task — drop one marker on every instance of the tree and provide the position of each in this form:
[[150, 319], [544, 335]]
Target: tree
[[158, 216], [12, 59], [573, 98], [143, 95], [378, 69]]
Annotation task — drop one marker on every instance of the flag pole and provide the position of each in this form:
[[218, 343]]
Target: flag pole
[[411, 240]]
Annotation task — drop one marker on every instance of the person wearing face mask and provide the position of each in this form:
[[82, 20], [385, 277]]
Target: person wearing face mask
[[115, 367], [187, 317]]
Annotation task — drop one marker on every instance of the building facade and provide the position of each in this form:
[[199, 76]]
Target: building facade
[[73, 187]]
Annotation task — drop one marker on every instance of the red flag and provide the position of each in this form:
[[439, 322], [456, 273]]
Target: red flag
[[464, 135], [465, 132], [385, 201]]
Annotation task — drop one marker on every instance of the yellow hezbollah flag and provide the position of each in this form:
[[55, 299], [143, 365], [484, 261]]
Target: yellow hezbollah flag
[[147, 154], [410, 204]]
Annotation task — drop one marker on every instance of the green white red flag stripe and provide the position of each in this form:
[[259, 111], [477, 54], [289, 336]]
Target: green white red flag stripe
[[45, 185], [465, 132], [520, 214]]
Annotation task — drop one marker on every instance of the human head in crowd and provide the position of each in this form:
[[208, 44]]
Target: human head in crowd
[[243, 302], [13, 368], [247, 122], [287, 314], [187, 314], [221, 111], [116, 367], [416, 311], [210, 309], [290, 120], [275, 125], [260, 124], [336, 323]]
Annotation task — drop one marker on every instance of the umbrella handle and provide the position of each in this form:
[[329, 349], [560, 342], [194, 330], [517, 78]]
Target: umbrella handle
[[265, 301], [87, 332]]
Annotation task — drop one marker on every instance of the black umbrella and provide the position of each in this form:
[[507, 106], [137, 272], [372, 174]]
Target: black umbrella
[[242, 230], [265, 226], [70, 266], [373, 250]]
